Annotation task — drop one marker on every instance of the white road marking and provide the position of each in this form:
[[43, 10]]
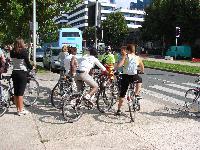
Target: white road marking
[[191, 84], [179, 86], [171, 91], [164, 97]]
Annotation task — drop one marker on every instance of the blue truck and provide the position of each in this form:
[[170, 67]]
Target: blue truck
[[179, 52]]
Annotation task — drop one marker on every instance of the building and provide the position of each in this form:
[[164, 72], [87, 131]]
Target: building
[[140, 5], [83, 14]]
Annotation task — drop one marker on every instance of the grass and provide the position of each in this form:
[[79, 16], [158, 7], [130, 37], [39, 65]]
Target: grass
[[172, 67]]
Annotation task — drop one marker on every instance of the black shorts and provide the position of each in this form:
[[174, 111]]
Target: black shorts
[[126, 80], [19, 78]]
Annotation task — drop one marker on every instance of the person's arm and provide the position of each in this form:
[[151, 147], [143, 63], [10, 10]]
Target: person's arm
[[73, 65], [26, 59], [141, 64], [97, 62]]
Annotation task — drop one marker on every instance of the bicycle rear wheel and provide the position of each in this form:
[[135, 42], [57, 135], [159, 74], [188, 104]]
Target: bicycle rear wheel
[[71, 108], [31, 92], [132, 105], [192, 95], [104, 99], [56, 96]]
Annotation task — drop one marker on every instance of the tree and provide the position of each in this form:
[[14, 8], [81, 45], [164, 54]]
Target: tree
[[115, 29], [16, 15], [163, 16]]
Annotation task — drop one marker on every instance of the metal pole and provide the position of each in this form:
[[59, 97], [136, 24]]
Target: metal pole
[[96, 22], [34, 32], [176, 47]]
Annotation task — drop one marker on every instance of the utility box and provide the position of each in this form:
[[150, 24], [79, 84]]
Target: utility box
[[179, 52]]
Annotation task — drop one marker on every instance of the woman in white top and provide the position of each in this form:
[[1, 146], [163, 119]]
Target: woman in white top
[[62, 55], [87, 62], [130, 61]]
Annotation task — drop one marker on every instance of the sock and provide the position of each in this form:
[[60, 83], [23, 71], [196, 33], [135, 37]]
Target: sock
[[87, 96]]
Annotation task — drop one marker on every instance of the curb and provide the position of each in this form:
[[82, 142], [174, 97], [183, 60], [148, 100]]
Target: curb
[[185, 73]]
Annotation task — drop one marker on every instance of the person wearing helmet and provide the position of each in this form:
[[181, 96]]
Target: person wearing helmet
[[108, 60]]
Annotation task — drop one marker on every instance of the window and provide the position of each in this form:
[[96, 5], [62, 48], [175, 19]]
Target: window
[[70, 34]]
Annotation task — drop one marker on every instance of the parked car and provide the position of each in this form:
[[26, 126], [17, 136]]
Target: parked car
[[39, 54], [50, 59]]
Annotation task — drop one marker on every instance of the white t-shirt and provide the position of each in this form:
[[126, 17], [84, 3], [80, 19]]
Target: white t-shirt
[[67, 61], [87, 62]]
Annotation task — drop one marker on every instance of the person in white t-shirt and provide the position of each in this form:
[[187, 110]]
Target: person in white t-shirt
[[130, 61], [87, 62]]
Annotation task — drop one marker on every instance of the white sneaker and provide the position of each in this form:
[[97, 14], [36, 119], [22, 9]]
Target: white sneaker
[[23, 112]]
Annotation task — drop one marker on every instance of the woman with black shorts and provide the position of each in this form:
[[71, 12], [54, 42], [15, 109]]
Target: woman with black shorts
[[21, 63]]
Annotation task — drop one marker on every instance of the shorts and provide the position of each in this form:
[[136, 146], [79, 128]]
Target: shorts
[[126, 80]]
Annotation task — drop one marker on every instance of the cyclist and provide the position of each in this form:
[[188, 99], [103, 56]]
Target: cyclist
[[87, 62], [62, 55], [130, 62], [108, 60]]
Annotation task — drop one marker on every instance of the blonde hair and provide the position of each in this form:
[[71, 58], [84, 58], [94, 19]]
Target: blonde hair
[[64, 48]]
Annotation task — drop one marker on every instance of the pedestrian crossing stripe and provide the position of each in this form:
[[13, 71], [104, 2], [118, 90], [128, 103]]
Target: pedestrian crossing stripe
[[191, 84], [164, 97], [172, 91], [179, 86]]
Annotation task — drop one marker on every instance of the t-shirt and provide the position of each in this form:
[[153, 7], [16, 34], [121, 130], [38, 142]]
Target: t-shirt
[[87, 62]]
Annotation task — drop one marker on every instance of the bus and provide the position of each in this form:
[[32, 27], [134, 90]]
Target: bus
[[71, 37]]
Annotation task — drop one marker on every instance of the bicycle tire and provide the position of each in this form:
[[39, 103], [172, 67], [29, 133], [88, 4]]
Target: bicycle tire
[[31, 92], [104, 103], [4, 102], [71, 109], [131, 107], [56, 97], [192, 95]]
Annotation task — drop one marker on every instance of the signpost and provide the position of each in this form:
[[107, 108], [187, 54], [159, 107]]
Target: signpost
[[178, 31]]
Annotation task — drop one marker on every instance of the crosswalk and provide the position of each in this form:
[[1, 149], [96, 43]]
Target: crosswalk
[[169, 91]]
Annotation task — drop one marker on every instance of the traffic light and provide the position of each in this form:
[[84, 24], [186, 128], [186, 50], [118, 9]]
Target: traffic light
[[178, 31]]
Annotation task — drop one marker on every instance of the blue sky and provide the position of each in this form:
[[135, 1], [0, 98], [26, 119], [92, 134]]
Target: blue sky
[[124, 3]]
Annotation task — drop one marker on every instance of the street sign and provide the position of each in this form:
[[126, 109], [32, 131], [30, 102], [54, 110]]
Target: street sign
[[178, 31]]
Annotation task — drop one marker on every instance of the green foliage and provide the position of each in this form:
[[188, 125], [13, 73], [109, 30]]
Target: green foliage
[[164, 15], [16, 15], [115, 29], [173, 67]]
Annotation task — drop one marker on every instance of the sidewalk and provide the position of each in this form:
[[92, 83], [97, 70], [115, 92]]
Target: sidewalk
[[158, 126]]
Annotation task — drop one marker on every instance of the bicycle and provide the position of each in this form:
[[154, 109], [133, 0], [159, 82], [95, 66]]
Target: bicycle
[[192, 95], [32, 89], [73, 104], [62, 87], [7, 95]]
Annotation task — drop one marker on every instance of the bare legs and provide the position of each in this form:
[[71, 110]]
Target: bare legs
[[138, 88], [19, 103]]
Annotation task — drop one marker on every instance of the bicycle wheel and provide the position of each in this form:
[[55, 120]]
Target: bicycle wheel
[[31, 92], [71, 109], [4, 102], [132, 105], [192, 94], [104, 99], [56, 96]]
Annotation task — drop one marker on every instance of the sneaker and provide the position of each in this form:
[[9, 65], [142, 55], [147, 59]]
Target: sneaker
[[88, 103], [23, 112], [118, 113]]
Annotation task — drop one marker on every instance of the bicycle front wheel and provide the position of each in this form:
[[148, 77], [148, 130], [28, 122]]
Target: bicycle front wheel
[[104, 99], [4, 101], [192, 94], [31, 92], [71, 109]]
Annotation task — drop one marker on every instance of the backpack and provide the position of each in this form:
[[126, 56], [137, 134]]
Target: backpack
[[131, 68], [4, 65]]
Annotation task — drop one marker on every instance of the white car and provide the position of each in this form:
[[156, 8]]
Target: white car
[[50, 59]]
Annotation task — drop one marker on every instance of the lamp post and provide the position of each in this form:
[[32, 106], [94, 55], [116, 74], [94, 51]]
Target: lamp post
[[34, 32], [96, 21]]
